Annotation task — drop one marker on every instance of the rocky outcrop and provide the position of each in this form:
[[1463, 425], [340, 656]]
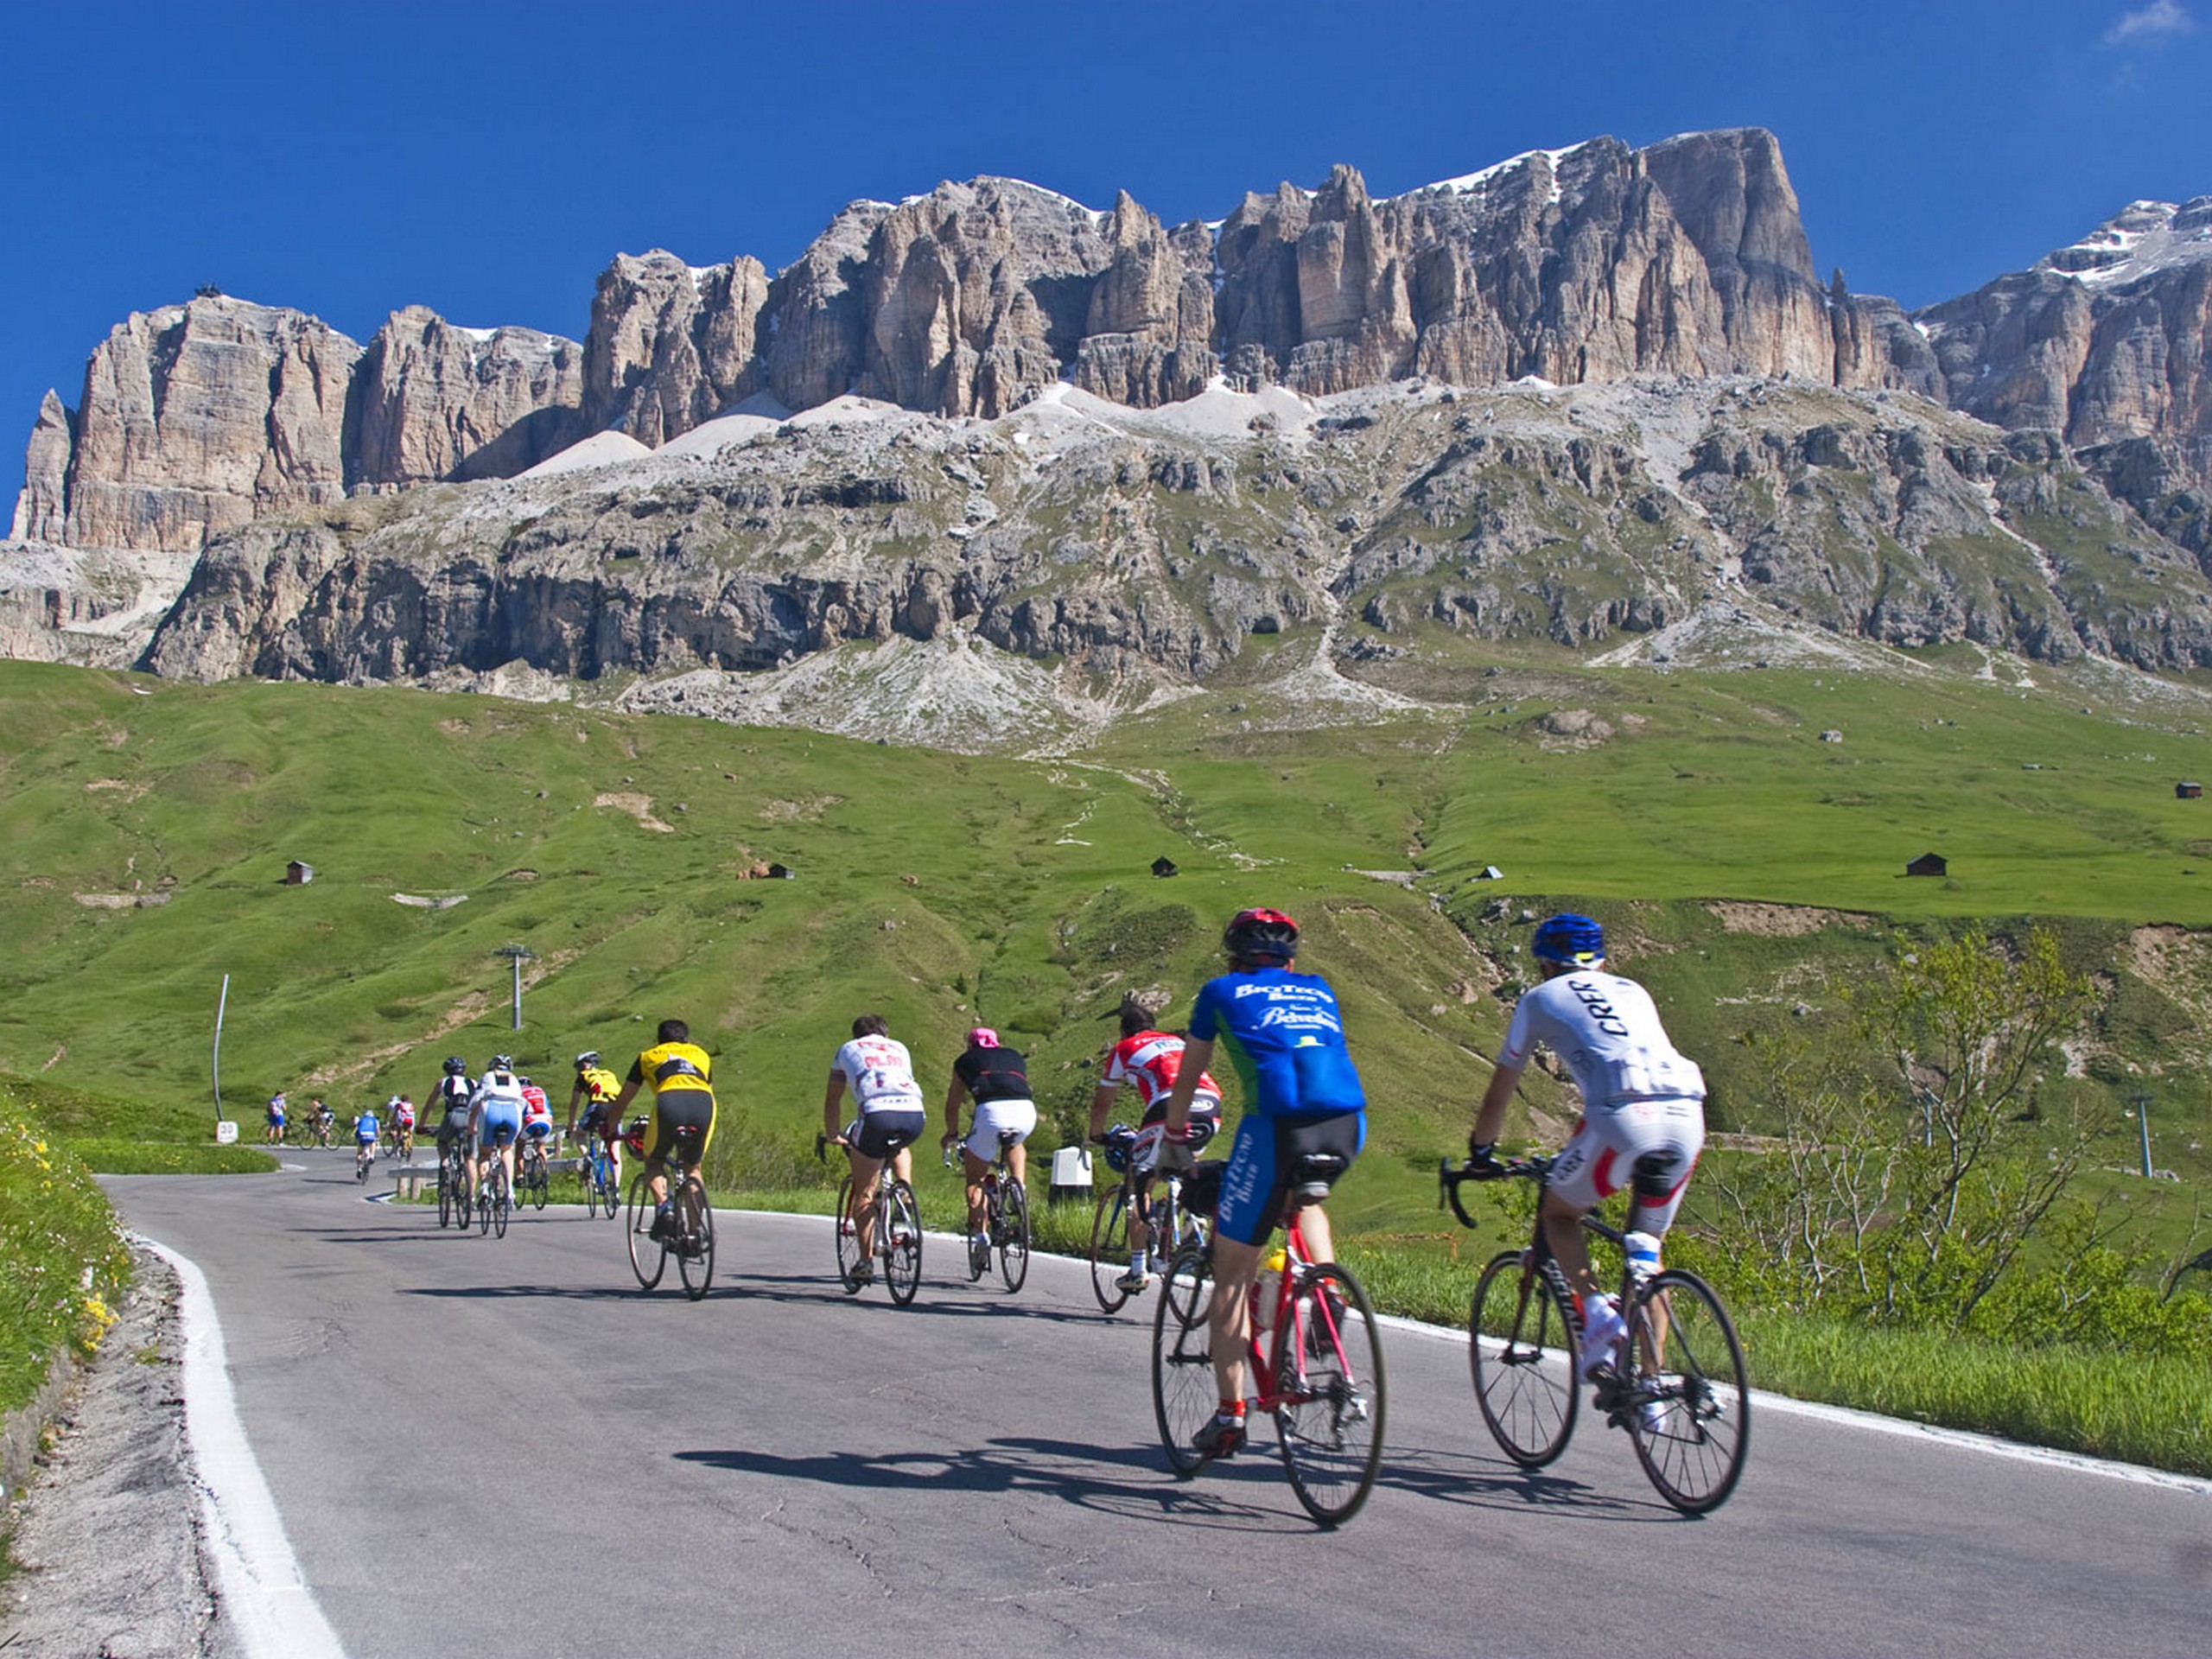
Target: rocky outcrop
[[669, 345], [42, 509], [432, 401]]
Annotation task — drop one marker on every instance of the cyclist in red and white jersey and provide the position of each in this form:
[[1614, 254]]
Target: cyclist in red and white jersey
[[1148, 1060], [880, 1072], [1643, 1119]]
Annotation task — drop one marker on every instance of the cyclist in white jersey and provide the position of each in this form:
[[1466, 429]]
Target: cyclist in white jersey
[[495, 1118], [880, 1072], [1643, 1119]]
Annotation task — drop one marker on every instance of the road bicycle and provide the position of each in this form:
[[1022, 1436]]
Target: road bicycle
[[365, 1153], [1316, 1362], [898, 1231], [1006, 1217], [1675, 1380], [533, 1176], [492, 1199], [452, 1185], [688, 1233], [602, 1183], [1171, 1224], [399, 1140], [299, 1132]]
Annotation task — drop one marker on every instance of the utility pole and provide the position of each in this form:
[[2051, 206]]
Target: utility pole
[[518, 954], [2141, 1101]]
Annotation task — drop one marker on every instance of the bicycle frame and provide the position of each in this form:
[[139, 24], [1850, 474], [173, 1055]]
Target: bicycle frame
[[1288, 1309]]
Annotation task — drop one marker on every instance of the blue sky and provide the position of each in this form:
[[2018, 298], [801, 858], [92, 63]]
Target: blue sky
[[488, 157]]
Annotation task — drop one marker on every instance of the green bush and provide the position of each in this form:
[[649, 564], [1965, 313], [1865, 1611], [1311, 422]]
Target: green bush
[[62, 1258]]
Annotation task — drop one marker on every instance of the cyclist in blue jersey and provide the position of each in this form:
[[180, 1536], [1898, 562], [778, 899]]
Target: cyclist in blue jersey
[[1285, 1038]]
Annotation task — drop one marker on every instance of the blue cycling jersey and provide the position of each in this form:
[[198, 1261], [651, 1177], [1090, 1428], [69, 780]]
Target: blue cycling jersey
[[1286, 1039]]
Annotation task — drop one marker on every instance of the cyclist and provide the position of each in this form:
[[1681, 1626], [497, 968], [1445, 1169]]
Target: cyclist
[[402, 1112], [876, 1067], [1302, 1098], [324, 1120], [495, 1118], [452, 1094], [998, 1079], [1148, 1061], [536, 1116], [678, 1071], [1643, 1122], [274, 1135], [594, 1091], [365, 1139]]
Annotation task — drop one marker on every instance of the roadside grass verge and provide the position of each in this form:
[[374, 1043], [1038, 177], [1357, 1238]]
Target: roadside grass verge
[[114, 1157], [63, 1259], [113, 1136]]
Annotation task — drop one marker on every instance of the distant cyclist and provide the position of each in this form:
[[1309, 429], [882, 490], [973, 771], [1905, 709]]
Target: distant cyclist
[[322, 1120], [1643, 1119], [1285, 1035], [594, 1094], [495, 1119], [365, 1140], [274, 1135], [451, 1096], [880, 1072], [678, 1071], [537, 1114], [997, 1079], [401, 1111], [1148, 1061]]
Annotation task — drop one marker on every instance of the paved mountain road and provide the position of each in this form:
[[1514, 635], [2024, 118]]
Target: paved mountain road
[[490, 1447]]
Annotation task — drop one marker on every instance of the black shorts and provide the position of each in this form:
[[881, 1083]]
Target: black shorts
[[680, 1114], [1264, 1164], [453, 1126], [879, 1135]]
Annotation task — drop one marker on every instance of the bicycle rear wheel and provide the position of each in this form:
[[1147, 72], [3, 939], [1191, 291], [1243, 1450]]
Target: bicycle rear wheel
[[695, 1256], [849, 1242], [648, 1256], [1328, 1366], [502, 1199], [1520, 1349], [903, 1266], [1110, 1246], [1688, 1405], [1012, 1225], [610, 1188], [1183, 1390], [590, 1176], [445, 1197]]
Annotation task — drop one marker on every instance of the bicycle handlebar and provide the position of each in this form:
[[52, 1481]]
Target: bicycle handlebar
[[1449, 1180]]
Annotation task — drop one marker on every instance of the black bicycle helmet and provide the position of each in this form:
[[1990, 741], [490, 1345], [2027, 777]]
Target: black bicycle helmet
[[1260, 935], [455, 1067], [1575, 941]]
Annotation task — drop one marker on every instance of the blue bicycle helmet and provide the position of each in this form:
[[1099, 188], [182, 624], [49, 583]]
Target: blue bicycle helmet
[[1576, 941]]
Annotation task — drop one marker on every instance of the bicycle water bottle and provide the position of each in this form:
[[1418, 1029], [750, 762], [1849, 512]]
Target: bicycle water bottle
[[1642, 1251], [1267, 1288]]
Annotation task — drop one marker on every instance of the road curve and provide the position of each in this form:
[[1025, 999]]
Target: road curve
[[500, 1446]]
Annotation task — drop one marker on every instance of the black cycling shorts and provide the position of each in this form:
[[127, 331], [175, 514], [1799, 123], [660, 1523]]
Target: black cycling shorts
[[879, 1135], [677, 1111], [1263, 1164]]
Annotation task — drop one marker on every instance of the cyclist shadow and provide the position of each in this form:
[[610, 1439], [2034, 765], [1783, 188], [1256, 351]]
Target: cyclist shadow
[[1134, 1482], [557, 1293], [1483, 1483], [975, 1301]]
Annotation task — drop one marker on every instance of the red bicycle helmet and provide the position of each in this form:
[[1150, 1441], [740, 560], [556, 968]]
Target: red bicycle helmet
[[1258, 935]]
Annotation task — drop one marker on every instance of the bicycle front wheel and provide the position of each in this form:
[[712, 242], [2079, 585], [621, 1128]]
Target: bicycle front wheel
[[1182, 1389], [1012, 1224], [903, 1265], [1110, 1246], [648, 1256], [1520, 1349], [1328, 1367], [694, 1254], [849, 1242], [1689, 1403]]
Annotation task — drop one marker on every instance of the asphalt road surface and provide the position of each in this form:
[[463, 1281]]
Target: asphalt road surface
[[488, 1447]]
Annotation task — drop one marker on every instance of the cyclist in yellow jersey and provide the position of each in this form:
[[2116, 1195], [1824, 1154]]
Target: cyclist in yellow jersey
[[677, 1070], [595, 1094]]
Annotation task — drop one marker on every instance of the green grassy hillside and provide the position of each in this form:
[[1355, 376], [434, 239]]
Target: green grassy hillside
[[145, 828]]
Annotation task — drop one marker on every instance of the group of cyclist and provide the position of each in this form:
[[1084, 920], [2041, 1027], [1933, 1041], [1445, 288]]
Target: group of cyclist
[[1304, 1123]]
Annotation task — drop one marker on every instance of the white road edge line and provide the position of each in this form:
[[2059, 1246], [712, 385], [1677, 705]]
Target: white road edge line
[[257, 1575], [1846, 1417]]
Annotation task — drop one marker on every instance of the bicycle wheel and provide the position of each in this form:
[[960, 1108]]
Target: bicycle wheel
[[648, 1256], [903, 1267], [694, 1254], [848, 1240], [1328, 1366], [1012, 1225], [1688, 1404], [1520, 1349], [1183, 1391], [502, 1199], [445, 1197], [541, 1182], [1110, 1246], [483, 1200], [590, 1175]]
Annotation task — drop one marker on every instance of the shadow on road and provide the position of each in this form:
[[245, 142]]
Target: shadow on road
[[1050, 1468]]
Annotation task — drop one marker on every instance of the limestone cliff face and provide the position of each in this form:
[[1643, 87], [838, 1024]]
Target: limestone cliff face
[[198, 417], [433, 401], [42, 509], [671, 346]]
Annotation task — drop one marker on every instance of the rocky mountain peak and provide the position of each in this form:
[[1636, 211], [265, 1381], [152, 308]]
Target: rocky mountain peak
[[2143, 236]]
